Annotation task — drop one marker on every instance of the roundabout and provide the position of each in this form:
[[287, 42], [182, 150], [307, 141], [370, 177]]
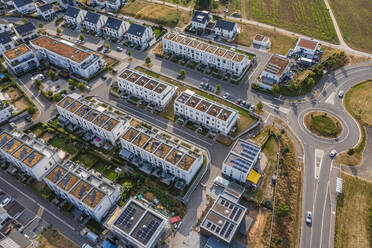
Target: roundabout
[[323, 124]]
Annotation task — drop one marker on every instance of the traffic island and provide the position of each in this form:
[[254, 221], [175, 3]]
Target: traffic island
[[323, 124]]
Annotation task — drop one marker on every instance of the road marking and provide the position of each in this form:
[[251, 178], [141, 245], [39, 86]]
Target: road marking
[[47, 210], [40, 211], [324, 206], [331, 98], [35, 97], [277, 108], [318, 162], [265, 121]]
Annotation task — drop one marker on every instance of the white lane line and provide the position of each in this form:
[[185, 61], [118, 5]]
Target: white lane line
[[318, 162], [331, 98], [324, 206], [268, 116], [277, 107], [51, 213]]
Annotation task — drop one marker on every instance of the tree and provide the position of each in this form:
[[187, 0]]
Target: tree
[[218, 88], [31, 110], [107, 45], [310, 82], [57, 97], [41, 25], [259, 106], [275, 89], [129, 53], [50, 93], [81, 37], [182, 73], [25, 20], [282, 210], [148, 60], [37, 83], [59, 31], [51, 73], [203, 4], [81, 86]]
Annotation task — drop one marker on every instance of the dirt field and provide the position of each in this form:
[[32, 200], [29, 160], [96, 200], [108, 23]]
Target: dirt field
[[352, 19], [352, 213], [307, 17], [21, 104], [13, 93], [280, 43], [53, 239]]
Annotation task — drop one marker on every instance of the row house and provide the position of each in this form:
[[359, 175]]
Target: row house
[[146, 88], [162, 153], [276, 70], [87, 190], [28, 154], [207, 113], [59, 53], [21, 59], [46, 11], [140, 35], [241, 163], [6, 42], [115, 27], [25, 32], [101, 123], [75, 16], [24, 6], [201, 52], [226, 29], [94, 21]]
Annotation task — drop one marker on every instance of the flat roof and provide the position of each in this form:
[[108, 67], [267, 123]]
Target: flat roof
[[185, 41], [151, 85], [203, 106], [80, 189], [152, 145], [140, 139], [202, 46], [130, 216], [160, 88], [174, 156], [243, 155], [100, 120], [61, 49], [146, 228], [186, 162], [211, 49], [178, 38], [306, 43], [220, 52], [125, 74], [130, 134], [238, 57], [83, 110], [183, 97], [4, 138], [169, 36], [68, 181], [17, 51], [133, 77], [93, 198], [91, 115], [65, 102], [22, 152], [194, 43], [259, 37], [193, 101], [224, 115], [12, 145], [142, 80], [276, 65], [56, 174], [110, 124], [74, 106], [162, 150], [229, 55], [214, 110]]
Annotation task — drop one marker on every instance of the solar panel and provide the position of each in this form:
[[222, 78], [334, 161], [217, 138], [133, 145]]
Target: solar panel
[[238, 214], [101, 120], [94, 193], [3, 140], [233, 213], [32, 156], [57, 176], [66, 180], [222, 202], [213, 227], [23, 152], [224, 228], [65, 103], [82, 189], [218, 229], [229, 231], [231, 206], [10, 144], [72, 105]]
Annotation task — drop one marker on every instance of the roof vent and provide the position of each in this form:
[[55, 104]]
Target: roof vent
[[144, 226], [220, 222], [227, 211]]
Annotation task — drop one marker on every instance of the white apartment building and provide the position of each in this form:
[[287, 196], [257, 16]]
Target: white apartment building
[[307, 48], [87, 190], [25, 32], [75, 16], [146, 88], [63, 54], [205, 53], [115, 27], [113, 4], [100, 122], [24, 6], [140, 35], [276, 69], [5, 26], [21, 59], [162, 153], [6, 42], [241, 162], [226, 29], [200, 20], [209, 114], [94, 21], [262, 41], [6, 110], [137, 225], [30, 155]]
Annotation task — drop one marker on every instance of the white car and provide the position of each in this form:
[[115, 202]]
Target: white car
[[5, 202], [226, 95], [40, 76], [119, 49], [333, 153], [309, 217], [341, 93]]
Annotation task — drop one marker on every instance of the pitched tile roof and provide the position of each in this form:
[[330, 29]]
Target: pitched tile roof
[[200, 17], [21, 3], [136, 30], [113, 23], [72, 12], [25, 28], [225, 25], [92, 17], [5, 37]]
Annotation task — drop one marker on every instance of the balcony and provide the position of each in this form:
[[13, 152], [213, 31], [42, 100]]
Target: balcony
[[17, 62]]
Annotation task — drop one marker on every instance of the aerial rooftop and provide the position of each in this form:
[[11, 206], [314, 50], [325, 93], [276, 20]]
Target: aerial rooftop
[[277, 65], [16, 52]]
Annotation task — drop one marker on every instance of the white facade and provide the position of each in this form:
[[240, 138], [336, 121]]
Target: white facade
[[116, 31], [6, 111], [6, 27], [113, 4], [75, 16], [28, 154], [44, 12], [162, 153], [209, 114], [205, 53], [307, 48], [226, 29], [66, 56], [262, 41], [140, 35], [276, 69], [241, 160], [21, 59], [25, 8], [6, 42], [200, 20], [146, 88], [102, 124], [25, 32], [96, 25], [87, 190]]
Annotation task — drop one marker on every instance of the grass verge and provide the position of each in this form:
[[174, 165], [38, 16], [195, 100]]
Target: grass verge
[[51, 238], [323, 124]]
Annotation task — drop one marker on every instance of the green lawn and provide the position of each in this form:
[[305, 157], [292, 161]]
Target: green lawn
[[63, 144], [87, 158], [324, 125], [309, 17], [110, 173]]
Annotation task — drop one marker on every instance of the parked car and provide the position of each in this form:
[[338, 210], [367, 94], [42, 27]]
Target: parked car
[[106, 50], [201, 84], [5, 202], [226, 95], [238, 101], [243, 103], [103, 77], [179, 76], [28, 118], [252, 107], [309, 217], [119, 49], [99, 48]]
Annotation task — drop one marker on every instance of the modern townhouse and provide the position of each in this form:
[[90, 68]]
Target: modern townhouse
[[63, 54], [24, 6], [146, 88], [94, 21], [86, 189], [210, 114], [25, 32], [6, 42], [115, 27], [262, 41], [5, 26], [140, 35], [161, 153], [223, 220], [276, 70], [113, 4], [46, 11], [226, 29], [30, 155], [64, 4], [201, 52], [200, 20], [137, 225], [307, 48], [6, 110], [241, 164], [75, 16], [86, 115], [21, 59]]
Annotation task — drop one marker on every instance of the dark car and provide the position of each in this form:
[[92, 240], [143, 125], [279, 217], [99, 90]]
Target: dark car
[[104, 77], [100, 48], [179, 76]]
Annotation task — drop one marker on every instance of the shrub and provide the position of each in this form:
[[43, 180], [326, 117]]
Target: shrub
[[351, 151], [282, 210]]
